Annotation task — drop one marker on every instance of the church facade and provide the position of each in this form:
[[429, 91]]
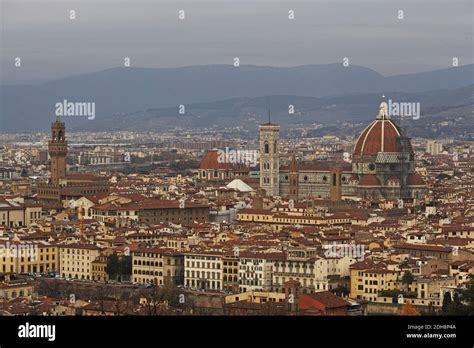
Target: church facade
[[383, 167]]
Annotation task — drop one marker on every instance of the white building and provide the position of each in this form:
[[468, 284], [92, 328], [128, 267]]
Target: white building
[[75, 260], [434, 147], [256, 271], [203, 271]]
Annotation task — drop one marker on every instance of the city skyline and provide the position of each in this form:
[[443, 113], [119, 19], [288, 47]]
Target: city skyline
[[215, 167]]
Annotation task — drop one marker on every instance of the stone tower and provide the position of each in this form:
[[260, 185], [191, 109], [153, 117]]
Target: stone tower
[[294, 180], [270, 158], [335, 190], [57, 148]]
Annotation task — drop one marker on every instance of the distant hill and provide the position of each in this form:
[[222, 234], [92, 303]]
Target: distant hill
[[358, 109], [127, 90]]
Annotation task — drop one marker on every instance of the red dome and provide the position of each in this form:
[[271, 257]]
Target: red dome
[[379, 136], [211, 160]]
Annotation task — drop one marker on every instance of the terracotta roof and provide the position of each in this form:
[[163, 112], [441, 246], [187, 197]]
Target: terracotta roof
[[147, 205], [415, 179], [211, 160], [328, 299], [80, 246], [425, 247], [369, 180], [84, 176], [155, 250], [258, 211], [168, 204], [379, 136]]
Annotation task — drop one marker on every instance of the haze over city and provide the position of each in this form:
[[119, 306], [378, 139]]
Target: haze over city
[[370, 33]]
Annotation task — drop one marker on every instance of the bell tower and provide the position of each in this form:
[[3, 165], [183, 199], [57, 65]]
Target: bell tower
[[335, 188], [57, 148], [270, 158], [294, 180]]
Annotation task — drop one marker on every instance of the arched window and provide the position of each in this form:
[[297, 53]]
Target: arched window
[[266, 147]]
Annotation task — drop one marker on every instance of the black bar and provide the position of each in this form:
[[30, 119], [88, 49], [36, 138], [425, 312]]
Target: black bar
[[250, 330]]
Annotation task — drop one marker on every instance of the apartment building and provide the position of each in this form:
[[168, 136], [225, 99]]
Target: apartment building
[[256, 271], [76, 260], [279, 220], [230, 268], [114, 212], [13, 214], [204, 271], [14, 289], [302, 271], [367, 280], [157, 265], [28, 257], [181, 212], [99, 269], [313, 274]]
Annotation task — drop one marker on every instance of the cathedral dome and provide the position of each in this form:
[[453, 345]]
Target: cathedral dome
[[212, 160], [382, 135]]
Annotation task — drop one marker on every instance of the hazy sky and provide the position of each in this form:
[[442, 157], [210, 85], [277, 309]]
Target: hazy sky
[[259, 32]]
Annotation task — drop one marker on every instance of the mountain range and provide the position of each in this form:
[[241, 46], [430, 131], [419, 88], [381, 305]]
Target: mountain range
[[148, 98]]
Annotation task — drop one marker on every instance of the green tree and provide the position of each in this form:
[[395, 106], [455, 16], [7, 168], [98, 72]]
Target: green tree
[[447, 300], [457, 307], [431, 310], [467, 296], [125, 266], [463, 300], [407, 278], [112, 266], [341, 290]]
